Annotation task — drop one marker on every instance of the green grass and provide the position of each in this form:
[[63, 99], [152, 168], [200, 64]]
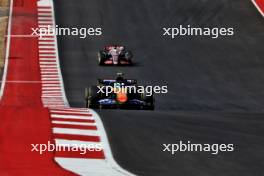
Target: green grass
[[3, 27], [4, 3], [3, 24]]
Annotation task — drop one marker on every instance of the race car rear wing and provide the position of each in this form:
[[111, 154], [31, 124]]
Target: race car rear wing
[[112, 81]]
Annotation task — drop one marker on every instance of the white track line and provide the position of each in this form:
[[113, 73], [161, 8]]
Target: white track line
[[72, 123], [75, 131], [43, 42], [259, 9], [7, 49], [71, 117], [69, 112]]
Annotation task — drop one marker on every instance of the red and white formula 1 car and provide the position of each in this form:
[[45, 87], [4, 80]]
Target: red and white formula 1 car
[[115, 55]]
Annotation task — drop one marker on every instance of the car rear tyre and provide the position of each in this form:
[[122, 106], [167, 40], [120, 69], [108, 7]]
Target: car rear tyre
[[102, 56], [100, 62], [128, 55], [149, 100], [90, 96]]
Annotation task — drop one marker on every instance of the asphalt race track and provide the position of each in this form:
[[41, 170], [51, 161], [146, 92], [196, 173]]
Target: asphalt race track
[[216, 86]]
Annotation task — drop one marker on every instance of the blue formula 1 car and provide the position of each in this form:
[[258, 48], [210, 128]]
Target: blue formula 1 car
[[118, 93]]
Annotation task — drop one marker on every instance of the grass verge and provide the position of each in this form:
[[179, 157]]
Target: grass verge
[[4, 7]]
